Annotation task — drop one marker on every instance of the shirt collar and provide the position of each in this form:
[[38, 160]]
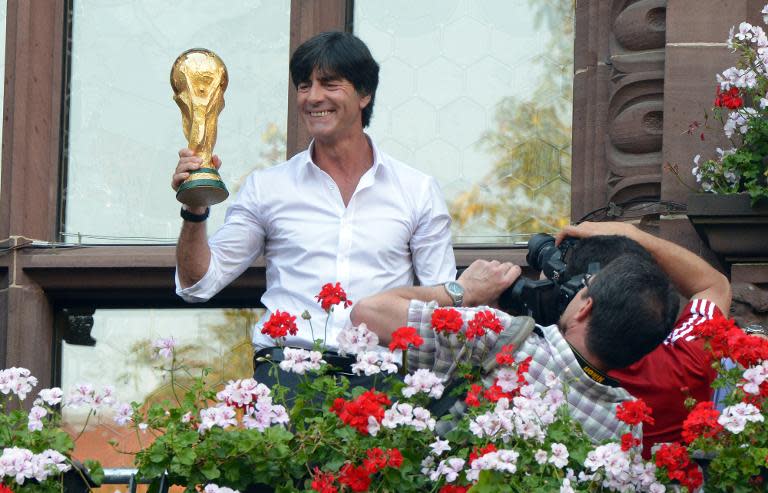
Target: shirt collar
[[378, 157], [568, 360]]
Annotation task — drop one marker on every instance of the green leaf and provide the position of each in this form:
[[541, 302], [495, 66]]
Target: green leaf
[[490, 482], [210, 471], [95, 471]]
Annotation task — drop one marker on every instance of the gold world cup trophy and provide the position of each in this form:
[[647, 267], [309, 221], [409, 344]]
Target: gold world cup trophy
[[199, 79]]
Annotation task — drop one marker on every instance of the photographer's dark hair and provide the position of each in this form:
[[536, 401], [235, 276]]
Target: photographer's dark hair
[[634, 309], [338, 54], [602, 249]]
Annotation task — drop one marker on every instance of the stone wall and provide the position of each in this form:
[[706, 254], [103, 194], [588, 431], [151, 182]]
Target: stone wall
[[644, 76]]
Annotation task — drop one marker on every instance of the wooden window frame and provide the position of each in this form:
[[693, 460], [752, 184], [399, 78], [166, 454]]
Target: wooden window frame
[[38, 282]]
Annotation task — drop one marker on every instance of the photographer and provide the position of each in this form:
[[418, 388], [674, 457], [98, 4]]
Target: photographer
[[678, 368], [619, 315]]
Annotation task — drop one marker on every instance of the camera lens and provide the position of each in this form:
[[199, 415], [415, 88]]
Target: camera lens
[[541, 246]]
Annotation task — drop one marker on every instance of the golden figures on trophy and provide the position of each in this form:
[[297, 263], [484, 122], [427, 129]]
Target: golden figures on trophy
[[199, 79]]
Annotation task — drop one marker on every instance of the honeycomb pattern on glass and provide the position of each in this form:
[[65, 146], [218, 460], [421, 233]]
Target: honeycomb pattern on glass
[[125, 129], [479, 95]]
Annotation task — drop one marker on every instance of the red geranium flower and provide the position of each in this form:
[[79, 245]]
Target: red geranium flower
[[394, 458], [716, 332], [376, 460], [494, 393], [454, 488], [472, 399], [357, 478], [505, 357], [280, 324], [322, 482], [729, 99], [356, 412], [5, 489], [523, 368], [672, 456], [403, 337], [635, 412], [331, 295], [446, 320], [701, 421], [628, 440], [477, 453], [747, 350], [482, 321]]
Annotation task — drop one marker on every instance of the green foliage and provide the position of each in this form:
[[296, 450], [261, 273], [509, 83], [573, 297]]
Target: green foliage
[[744, 167], [528, 188]]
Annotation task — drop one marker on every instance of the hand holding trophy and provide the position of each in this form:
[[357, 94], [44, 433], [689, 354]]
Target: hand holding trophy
[[199, 79]]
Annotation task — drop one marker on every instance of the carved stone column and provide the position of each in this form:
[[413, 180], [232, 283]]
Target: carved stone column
[[618, 103]]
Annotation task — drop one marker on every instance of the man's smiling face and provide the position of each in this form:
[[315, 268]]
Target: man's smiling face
[[331, 107]]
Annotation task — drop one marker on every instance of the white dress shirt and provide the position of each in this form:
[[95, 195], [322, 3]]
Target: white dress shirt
[[395, 227]]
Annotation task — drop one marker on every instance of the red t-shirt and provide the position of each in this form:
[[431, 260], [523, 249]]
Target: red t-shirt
[[677, 369]]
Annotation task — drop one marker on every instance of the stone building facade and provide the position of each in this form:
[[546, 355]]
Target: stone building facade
[[644, 71]]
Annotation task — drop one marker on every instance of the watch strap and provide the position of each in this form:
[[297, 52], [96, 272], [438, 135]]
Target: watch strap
[[194, 218]]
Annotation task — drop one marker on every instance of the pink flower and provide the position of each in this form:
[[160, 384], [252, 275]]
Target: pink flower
[[164, 347]]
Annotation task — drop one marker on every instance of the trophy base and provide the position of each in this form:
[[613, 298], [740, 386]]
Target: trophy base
[[202, 193]]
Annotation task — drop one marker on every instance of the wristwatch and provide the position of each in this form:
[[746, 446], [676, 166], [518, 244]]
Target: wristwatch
[[756, 329], [455, 291], [194, 218]]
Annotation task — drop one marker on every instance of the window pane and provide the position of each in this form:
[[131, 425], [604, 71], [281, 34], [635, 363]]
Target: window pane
[[125, 129], [123, 358], [3, 10], [478, 94]]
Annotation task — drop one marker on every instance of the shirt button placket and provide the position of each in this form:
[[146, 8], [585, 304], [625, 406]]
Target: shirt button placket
[[345, 246]]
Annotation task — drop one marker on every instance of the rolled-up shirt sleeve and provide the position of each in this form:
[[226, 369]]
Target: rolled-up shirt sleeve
[[234, 246], [431, 247]]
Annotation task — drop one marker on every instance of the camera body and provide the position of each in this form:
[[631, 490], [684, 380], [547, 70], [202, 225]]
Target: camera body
[[544, 300]]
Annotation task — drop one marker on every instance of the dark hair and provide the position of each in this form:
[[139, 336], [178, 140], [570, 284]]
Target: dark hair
[[602, 249], [338, 54], [634, 307]]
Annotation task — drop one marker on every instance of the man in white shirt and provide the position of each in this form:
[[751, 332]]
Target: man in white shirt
[[341, 211]]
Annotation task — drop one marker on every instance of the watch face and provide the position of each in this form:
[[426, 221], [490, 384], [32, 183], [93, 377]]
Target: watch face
[[454, 288]]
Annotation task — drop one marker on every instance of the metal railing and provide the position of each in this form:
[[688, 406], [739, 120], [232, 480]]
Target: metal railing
[[128, 477]]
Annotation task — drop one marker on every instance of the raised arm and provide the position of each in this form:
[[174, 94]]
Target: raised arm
[[205, 266], [690, 274], [192, 252], [483, 282]]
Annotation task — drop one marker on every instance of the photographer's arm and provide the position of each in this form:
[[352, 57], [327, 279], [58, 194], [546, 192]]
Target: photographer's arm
[[690, 274], [483, 282]]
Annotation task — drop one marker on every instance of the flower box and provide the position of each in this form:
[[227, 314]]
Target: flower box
[[730, 226]]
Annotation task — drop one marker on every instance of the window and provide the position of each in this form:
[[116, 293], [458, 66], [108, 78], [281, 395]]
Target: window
[[123, 357], [125, 129], [478, 94]]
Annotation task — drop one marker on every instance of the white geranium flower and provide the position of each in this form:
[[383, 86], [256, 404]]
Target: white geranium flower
[[300, 361], [356, 340], [559, 457], [124, 414], [439, 446], [51, 396], [425, 381]]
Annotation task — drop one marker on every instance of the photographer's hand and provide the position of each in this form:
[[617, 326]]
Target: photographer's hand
[[484, 281], [587, 229], [690, 274]]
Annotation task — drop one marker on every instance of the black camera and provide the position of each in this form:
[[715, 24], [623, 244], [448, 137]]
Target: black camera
[[544, 300]]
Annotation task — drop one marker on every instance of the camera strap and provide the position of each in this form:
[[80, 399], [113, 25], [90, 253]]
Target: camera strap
[[592, 372]]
